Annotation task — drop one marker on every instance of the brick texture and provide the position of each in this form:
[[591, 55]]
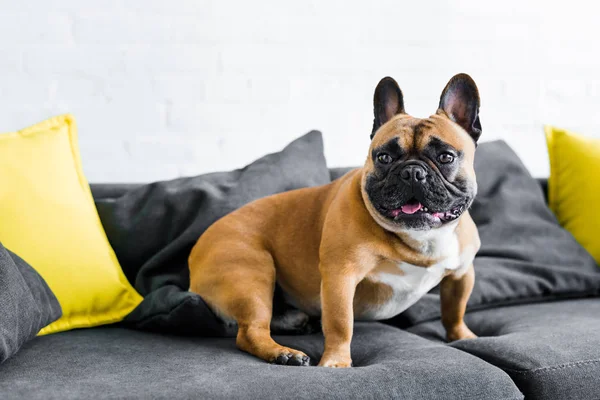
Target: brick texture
[[169, 88]]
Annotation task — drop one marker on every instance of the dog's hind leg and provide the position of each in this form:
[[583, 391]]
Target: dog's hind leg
[[241, 288]]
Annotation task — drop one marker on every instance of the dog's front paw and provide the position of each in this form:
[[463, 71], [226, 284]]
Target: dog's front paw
[[334, 361], [460, 332]]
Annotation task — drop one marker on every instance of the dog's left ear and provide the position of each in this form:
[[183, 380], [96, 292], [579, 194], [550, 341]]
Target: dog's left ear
[[460, 102]]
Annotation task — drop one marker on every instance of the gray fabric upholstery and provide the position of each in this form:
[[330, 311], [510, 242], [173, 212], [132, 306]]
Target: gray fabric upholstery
[[113, 190], [26, 303], [105, 191], [551, 350], [335, 173], [117, 363], [544, 185]]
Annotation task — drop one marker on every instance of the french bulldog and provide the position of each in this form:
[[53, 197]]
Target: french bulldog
[[364, 247]]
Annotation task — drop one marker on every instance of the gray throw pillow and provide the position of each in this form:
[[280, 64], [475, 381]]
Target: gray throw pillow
[[26, 303], [154, 227]]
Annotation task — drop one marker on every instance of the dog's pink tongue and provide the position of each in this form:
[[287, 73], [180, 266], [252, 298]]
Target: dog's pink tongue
[[411, 208]]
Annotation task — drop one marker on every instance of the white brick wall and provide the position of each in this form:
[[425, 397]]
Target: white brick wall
[[169, 88]]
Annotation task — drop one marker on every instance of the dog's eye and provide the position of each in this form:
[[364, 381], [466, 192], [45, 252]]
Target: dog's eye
[[446, 158], [384, 158]]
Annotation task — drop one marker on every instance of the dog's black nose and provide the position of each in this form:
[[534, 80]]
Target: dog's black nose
[[413, 173]]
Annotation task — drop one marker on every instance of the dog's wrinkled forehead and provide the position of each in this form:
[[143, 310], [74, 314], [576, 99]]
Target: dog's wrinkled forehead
[[413, 135]]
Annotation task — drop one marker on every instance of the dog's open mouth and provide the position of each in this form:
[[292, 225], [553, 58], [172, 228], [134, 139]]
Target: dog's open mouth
[[414, 208]]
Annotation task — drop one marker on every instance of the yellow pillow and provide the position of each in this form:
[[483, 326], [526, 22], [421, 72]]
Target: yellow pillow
[[574, 185], [48, 218]]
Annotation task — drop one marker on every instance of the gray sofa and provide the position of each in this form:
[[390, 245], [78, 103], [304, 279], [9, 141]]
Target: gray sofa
[[535, 305], [548, 350]]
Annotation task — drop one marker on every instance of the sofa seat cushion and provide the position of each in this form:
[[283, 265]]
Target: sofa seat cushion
[[111, 362], [551, 350]]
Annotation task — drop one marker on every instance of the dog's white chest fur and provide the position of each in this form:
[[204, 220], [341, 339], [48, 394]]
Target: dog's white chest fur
[[410, 282]]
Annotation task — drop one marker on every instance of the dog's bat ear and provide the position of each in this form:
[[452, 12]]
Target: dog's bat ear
[[460, 102], [387, 102]]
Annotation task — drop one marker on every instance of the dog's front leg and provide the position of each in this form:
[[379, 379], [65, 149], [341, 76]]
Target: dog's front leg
[[454, 294], [337, 297]]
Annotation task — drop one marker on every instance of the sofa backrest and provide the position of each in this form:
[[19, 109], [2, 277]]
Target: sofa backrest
[[114, 190]]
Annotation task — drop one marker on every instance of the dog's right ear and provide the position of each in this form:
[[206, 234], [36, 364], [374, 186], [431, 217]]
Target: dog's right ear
[[387, 102]]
